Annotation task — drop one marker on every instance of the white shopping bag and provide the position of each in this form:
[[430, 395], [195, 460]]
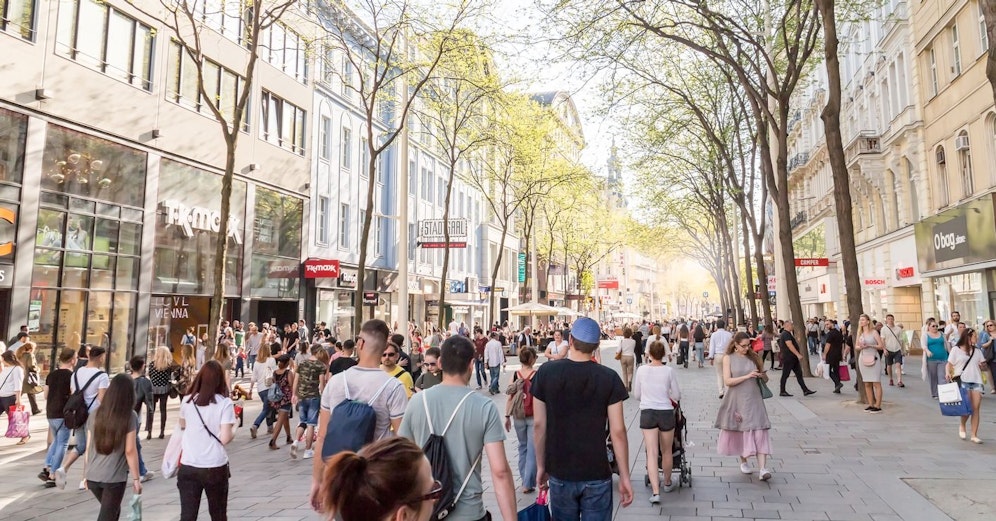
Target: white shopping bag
[[823, 370], [174, 448], [949, 393]]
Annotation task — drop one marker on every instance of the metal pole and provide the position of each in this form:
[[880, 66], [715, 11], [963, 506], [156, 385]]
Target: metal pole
[[403, 238]]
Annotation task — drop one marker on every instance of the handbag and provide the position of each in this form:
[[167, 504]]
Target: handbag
[[868, 357], [953, 400], [845, 372], [757, 344], [765, 392], [18, 425], [33, 380], [174, 449], [538, 511], [618, 355]]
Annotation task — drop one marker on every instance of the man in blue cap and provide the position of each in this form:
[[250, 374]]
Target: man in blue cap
[[572, 400]]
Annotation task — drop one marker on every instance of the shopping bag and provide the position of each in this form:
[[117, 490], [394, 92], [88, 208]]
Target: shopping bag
[[18, 426], [174, 448], [954, 400], [538, 511], [823, 370], [757, 344], [136, 507], [845, 373]]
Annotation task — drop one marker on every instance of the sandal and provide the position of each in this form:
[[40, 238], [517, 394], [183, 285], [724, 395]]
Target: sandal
[[24, 440]]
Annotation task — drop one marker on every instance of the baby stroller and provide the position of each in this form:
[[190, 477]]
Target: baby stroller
[[678, 452]]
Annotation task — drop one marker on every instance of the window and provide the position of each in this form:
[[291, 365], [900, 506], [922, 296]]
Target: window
[[100, 37], [942, 178], [378, 227], [955, 51], [346, 145], [222, 84], [224, 16], [323, 220], [284, 49], [983, 33], [328, 70], [442, 191], [344, 226], [364, 157], [18, 17], [282, 123], [426, 193], [325, 152], [933, 72], [965, 160], [412, 178], [347, 76], [412, 237]]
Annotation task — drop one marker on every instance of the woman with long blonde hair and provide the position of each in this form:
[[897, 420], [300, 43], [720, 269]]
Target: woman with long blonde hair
[[160, 372], [32, 382], [870, 347], [262, 375]]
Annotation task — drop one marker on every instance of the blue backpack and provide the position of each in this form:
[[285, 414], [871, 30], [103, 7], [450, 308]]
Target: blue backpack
[[351, 424]]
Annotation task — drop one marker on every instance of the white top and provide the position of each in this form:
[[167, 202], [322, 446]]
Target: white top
[[554, 348], [262, 371], [972, 373], [82, 375], [365, 384], [655, 386], [14, 376], [200, 449], [494, 356], [627, 347], [891, 336], [666, 329], [654, 338], [718, 342]]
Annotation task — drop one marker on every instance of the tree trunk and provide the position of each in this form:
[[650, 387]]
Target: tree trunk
[[838, 165], [748, 272], [446, 250], [361, 267], [494, 271], [762, 279], [221, 248]]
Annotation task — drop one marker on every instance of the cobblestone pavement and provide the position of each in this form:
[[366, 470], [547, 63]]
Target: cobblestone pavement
[[832, 461]]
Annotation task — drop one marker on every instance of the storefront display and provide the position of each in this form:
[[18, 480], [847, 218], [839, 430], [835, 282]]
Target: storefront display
[[276, 255]]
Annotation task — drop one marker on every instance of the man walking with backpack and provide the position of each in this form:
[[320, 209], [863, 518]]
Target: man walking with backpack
[[456, 426], [359, 405], [573, 399], [88, 386]]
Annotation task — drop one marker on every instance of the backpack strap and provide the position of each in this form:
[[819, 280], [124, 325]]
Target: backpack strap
[[377, 394], [452, 416], [85, 386], [466, 480]]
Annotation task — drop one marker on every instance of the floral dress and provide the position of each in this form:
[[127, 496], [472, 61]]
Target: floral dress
[[284, 381]]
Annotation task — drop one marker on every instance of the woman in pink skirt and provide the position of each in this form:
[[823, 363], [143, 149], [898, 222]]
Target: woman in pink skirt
[[742, 418]]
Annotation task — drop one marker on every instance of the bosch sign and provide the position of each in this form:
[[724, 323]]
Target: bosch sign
[[321, 269]]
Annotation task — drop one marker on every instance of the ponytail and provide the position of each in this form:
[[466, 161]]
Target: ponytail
[[372, 483]]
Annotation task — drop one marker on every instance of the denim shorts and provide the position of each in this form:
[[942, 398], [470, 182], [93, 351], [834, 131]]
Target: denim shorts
[[972, 386], [308, 407], [662, 420]]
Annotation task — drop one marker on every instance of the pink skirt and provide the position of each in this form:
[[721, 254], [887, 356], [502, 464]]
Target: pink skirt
[[743, 443]]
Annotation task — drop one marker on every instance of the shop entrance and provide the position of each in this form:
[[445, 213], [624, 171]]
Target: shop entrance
[[4, 309], [278, 312]]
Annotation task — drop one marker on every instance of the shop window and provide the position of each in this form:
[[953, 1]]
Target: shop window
[[17, 17], [97, 35], [282, 123], [278, 224], [13, 132], [78, 164]]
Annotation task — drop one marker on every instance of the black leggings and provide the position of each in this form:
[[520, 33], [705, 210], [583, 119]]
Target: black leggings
[[766, 354], [213, 482], [110, 496], [161, 400]]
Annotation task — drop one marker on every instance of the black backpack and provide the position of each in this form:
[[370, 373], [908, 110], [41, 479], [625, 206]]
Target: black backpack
[[439, 460], [76, 411]]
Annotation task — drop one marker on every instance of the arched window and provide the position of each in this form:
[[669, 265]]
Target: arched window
[[965, 162], [942, 178]]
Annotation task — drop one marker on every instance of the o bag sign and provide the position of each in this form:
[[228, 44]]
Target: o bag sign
[[950, 239]]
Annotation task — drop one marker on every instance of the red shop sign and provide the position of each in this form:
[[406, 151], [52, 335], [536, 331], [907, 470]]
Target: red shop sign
[[321, 269]]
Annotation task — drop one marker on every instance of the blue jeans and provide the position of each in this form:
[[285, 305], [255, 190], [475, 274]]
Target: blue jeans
[[494, 378], [812, 342], [480, 372], [141, 462], [252, 361], [60, 440], [263, 415], [700, 352], [527, 452], [577, 500]]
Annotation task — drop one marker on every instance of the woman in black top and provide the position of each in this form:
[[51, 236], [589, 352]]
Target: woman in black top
[[57, 388], [833, 354]]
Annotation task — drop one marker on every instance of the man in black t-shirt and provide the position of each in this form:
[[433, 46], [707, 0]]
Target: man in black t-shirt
[[573, 398], [344, 360], [790, 359]]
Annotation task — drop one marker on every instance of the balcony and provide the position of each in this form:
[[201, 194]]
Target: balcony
[[797, 161], [867, 142], [798, 220], [794, 120]]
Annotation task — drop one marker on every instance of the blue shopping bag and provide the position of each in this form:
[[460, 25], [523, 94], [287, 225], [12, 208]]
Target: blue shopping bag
[[538, 511], [953, 404]]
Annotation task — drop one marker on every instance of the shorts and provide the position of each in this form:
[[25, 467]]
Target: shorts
[[657, 419], [308, 407], [972, 386], [892, 358]]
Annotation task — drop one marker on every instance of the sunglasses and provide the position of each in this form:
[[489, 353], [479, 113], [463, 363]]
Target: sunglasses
[[433, 495], [429, 364], [389, 355], [744, 344]]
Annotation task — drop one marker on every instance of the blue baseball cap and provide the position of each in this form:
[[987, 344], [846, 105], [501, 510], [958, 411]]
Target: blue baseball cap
[[586, 330]]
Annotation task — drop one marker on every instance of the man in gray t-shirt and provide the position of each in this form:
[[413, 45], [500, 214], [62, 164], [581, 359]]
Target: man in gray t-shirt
[[476, 430]]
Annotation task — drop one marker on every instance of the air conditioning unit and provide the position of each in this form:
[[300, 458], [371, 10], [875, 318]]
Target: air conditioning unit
[[961, 143]]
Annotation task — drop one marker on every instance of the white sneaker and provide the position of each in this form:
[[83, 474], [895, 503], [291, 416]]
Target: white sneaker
[[308, 454], [765, 474], [655, 499], [745, 468], [148, 476], [60, 478], [293, 450], [82, 484], [669, 488]]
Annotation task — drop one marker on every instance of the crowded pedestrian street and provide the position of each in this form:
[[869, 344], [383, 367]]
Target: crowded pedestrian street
[[831, 461]]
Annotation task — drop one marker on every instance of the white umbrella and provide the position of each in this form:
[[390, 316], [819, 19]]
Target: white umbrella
[[568, 312], [625, 314], [532, 309]]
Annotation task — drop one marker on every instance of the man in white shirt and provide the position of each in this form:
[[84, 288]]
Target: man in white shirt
[[21, 339], [893, 350], [93, 394], [717, 350], [951, 330], [494, 357]]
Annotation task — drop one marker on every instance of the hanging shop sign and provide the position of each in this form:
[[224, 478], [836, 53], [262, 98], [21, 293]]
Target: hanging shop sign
[[347, 278], [812, 262], [953, 238], [432, 233], [522, 267], [322, 269], [608, 284], [875, 282], [195, 218], [370, 298]]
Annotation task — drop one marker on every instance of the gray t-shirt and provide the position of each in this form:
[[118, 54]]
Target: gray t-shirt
[[364, 383], [477, 424], [109, 468]]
